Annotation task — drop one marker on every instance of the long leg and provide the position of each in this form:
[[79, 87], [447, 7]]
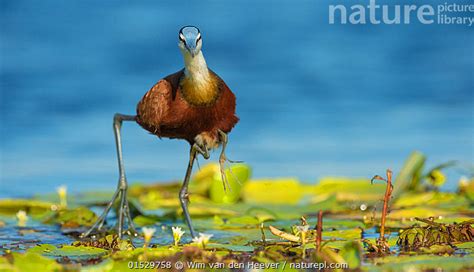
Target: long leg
[[122, 186], [183, 193]]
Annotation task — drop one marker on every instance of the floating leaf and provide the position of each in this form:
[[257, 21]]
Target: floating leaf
[[72, 218], [416, 212], [276, 191], [201, 181], [348, 234], [237, 248], [31, 261], [442, 200], [347, 189], [68, 251], [105, 265], [438, 249], [237, 175], [143, 220], [424, 263], [209, 210], [328, 255], [244, 220], [31, 207], [352, 254]]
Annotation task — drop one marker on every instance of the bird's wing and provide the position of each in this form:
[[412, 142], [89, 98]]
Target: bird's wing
[[156, 103]]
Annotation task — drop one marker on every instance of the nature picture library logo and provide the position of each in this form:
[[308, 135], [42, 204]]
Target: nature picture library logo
[[370, 12]]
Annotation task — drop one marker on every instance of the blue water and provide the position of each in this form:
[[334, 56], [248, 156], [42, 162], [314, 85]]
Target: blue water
[[314, 99]]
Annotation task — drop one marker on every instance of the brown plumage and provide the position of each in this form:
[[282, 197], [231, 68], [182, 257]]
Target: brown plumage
[[193, 104], [166, 111]]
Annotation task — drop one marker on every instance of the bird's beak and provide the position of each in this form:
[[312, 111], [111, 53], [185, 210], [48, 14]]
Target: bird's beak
[[192, 50]]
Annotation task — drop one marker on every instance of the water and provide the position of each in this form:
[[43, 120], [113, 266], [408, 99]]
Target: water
[[314, 99], [18, 239]]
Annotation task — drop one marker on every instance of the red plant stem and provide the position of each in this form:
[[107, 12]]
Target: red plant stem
[[319, 230], [386, 199]]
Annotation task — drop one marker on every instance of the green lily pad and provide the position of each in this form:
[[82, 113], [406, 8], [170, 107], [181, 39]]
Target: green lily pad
[[243, 221], [31, 207], [143, 220], [30, 261], [349, 234], [441, 200], [347, 189], [423, 263], [352, 254], [72, 218], [438, 249], [105, 265], [417, 212], [237, 175], [201, 181], [68, 251], [237, 248], [276, 191]]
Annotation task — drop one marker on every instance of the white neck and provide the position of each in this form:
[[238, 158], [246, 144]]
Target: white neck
[[196, 68]]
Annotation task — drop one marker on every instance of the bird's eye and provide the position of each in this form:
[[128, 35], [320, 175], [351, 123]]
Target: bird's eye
[[181, 38]]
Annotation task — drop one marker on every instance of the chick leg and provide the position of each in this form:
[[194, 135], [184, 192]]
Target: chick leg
[[124, 210], [222, 159], [183, 193]]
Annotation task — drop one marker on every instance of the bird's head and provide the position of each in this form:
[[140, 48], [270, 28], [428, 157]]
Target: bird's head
[[190, 41]]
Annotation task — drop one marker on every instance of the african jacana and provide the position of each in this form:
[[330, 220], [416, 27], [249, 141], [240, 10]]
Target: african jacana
[[193, 104]]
